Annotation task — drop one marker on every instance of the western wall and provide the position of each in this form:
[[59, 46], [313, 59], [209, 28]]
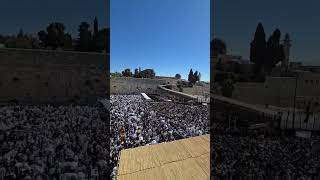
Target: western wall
[[280, 91], [128, 85], [54, 77]]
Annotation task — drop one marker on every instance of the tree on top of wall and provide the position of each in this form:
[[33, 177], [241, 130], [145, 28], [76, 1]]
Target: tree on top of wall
[[127, 73], [95, 26], [274, 50], [177, 76], [193, 77], [148, 73], [258, 48], [136, 73], [54, 36], [100, 41], [217, 46], [190, 76], [84, 39], [100, 38]]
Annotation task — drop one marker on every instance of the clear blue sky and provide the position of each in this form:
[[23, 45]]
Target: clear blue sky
[[235, 22], [35, 15], [170, 36]]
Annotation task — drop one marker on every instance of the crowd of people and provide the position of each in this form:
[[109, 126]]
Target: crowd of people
[[255, 154], [135, 122], [258, 157], [54, 142]]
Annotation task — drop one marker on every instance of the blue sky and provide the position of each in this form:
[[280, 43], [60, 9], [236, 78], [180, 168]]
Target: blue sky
[[235, 22], [170, 36], [33, 16]]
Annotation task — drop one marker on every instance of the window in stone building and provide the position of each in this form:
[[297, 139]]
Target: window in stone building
[[311, 81], [306, 81]]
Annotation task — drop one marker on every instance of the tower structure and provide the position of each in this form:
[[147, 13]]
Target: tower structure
[[286, 51]]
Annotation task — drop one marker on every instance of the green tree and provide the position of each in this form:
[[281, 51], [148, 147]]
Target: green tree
[[101, 41], [95, 26], [190, 76], [258, 48], [217, 46], [274, 51], [195, 76], [148, 73], [43, 37], [55, 35], [137, 73], [178, 76], [116, 74], [85, 37], [127, 73]]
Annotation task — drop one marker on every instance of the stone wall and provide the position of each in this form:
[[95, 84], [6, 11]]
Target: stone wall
[[44, 76], [128, 85], [176, 95], [280, 91], [252, 93], [198, 90]]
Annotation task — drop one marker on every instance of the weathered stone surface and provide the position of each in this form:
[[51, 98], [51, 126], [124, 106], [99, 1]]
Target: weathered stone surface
[[54, 77]]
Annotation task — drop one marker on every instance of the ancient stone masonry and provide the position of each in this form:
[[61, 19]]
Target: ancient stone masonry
[[55, 77], [127, 85]]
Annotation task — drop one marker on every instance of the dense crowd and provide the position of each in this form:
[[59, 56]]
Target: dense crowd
[[135, 122], [54, 142], [241, 153], [259, 157]]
